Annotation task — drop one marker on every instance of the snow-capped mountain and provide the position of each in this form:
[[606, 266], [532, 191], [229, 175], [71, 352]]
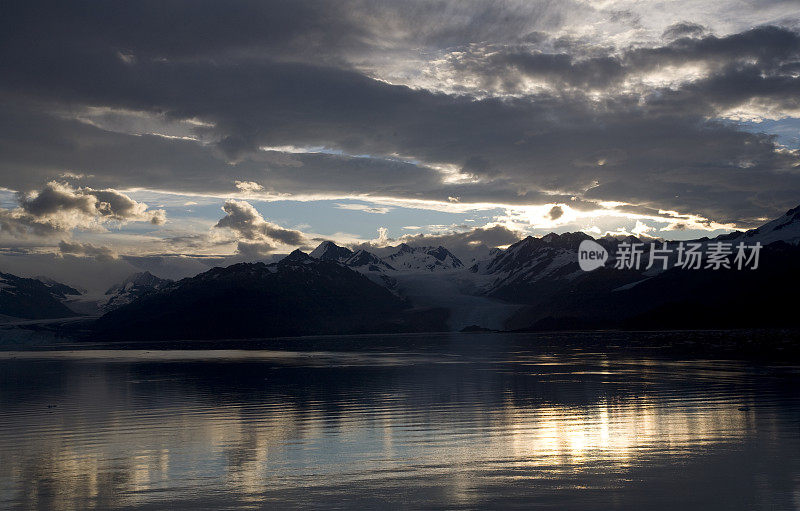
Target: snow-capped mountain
[[362, 261], [534, 255], [135, 286], [785, 228], [530, 263], [429, 259], [401, 258], [373, 267]]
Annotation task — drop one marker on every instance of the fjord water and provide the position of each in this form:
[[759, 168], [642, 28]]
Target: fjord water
[[447, 421]]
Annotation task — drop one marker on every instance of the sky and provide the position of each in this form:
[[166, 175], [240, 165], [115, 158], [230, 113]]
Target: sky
[[171, 136]]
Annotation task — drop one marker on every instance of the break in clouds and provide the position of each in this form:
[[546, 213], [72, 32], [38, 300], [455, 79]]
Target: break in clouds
[[430, 104]]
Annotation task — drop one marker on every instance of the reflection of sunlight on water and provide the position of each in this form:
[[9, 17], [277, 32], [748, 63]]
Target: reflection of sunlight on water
[[109, 444], [251, 456], [614, 434]]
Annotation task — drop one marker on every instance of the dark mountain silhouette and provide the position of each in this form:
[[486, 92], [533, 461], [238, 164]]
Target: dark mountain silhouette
[[543, 274], [298, 295], [34, 299], [675, 299]]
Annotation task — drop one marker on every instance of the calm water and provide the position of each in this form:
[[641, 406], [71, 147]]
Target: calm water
[[454, 421]]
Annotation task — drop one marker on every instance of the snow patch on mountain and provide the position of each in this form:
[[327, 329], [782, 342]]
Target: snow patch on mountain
[[362, 260], [551, 257], [430, 259], [785, 228], [135, 286]]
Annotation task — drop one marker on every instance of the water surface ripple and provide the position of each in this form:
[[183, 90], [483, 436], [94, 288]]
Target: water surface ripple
[[475, 422]]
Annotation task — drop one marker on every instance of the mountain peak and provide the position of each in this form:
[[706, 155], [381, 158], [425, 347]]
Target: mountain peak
[[296, 256], [330, 251], [142, 279], [442, 254]]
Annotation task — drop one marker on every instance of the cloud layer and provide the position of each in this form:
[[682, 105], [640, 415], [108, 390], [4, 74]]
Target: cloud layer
[[460, 104]]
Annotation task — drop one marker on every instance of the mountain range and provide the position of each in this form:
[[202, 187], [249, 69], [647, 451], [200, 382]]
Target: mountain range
[[299, 295], [403, 257], [534, 284]]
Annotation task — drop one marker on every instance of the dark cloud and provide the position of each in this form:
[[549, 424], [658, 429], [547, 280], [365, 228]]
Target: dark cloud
[[36, 147], [86, 249], [555, 213], [182, 29], [282, 74], [767, 45], [56, 198], [508, 68], [683, 29]]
